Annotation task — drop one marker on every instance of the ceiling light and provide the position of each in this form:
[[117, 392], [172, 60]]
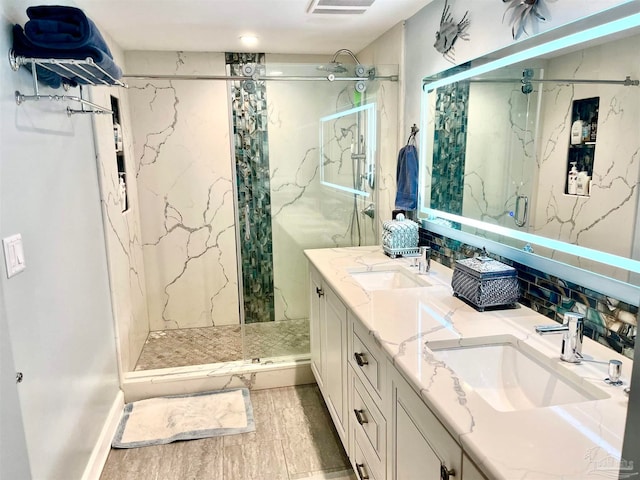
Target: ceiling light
[[249, 40]]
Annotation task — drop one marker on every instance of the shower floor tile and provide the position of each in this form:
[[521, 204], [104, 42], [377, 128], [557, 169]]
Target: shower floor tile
[[196, 346]]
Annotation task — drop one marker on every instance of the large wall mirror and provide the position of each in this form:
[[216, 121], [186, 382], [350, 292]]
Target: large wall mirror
[[541, 149]]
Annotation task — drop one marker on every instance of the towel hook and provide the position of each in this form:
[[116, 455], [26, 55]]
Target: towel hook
[[412, 135]]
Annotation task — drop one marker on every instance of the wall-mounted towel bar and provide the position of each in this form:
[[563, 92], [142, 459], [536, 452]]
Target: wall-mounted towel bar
[[73, 72]]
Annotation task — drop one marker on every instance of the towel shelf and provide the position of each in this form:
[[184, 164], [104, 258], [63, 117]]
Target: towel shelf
[[68, 69]]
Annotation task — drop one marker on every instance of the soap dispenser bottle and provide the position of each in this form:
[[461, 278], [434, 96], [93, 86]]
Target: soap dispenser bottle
[[572, 180]]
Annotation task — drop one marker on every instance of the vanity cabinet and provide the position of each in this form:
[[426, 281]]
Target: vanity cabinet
[[328, 331], [387, 430]]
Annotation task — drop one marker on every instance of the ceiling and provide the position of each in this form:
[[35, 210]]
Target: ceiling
[[282, 26]]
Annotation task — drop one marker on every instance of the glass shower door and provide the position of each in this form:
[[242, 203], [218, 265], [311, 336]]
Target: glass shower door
[[277, 127]]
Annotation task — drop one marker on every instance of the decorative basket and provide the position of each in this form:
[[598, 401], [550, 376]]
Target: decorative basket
[[485, 282], [400, 237]]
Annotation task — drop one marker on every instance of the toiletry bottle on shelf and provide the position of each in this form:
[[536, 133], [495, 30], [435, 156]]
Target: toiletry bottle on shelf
[[572, 180], [593, 129], [582, 183], [586, 131], [122, 193], [576, 132]]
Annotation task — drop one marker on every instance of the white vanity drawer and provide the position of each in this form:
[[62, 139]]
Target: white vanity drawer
[[363, 465], [367, 360], [367, 421]]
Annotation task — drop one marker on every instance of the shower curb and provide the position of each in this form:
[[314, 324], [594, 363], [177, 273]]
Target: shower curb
[[202, 378]]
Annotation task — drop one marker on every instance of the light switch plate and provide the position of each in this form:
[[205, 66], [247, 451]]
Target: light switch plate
[[13, 254]]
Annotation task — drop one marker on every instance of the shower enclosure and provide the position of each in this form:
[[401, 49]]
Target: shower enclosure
[[229, 151]]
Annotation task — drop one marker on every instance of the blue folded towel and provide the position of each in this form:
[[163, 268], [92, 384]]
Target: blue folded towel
[[407, 178], [65, 33], [22, 47]]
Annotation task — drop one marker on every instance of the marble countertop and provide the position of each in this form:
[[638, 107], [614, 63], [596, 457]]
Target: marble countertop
[[570, 441]]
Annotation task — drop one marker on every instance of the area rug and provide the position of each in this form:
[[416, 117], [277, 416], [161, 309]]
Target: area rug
[[163, 420]]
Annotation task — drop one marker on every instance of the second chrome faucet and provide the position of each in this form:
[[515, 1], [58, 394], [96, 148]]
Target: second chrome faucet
[[572, 331]]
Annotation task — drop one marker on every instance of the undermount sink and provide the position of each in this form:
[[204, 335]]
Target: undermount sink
[[387, 278], [513, 376]]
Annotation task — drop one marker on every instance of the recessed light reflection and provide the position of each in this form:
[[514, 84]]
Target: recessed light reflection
[[249, 40]]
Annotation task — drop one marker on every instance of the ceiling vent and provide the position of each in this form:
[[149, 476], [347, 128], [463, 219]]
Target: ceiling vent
[[339, 7]]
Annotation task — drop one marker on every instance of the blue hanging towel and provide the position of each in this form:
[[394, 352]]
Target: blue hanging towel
[[407, 178]]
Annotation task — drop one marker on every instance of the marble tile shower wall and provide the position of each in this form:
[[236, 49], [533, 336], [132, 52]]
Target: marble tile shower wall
[[497, 171], [185, 190], [251, 146], [608, 320], [123, 237]]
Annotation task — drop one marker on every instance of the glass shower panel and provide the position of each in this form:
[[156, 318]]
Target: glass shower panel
[[306, 214]]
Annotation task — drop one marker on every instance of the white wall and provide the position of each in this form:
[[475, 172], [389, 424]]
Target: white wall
[[58, 310], [386, 52], [14, 460]]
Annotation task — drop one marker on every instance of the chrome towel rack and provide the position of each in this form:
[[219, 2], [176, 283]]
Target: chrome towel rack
[[67, 69]]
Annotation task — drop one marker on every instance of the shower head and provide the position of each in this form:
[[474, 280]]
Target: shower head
[[336, 67], [333, 67], [348, 52]]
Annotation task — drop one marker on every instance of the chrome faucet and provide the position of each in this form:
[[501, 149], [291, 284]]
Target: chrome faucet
[[424, 261], [572, 331], [572, 339]]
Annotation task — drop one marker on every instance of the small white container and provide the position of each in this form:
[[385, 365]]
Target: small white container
[[576, 132], [572, 181]]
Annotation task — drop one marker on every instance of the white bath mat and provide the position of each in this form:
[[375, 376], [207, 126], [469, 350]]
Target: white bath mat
[[184, 417]]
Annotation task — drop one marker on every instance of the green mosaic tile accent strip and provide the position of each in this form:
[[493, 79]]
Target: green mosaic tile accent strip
[[249, 112], [449, 147], [608, 320]]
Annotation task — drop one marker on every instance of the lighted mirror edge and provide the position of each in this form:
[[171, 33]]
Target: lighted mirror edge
[[344, 189], [570, 248], [612, 287]]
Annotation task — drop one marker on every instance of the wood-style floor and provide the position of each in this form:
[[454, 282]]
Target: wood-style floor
[[294, 439]]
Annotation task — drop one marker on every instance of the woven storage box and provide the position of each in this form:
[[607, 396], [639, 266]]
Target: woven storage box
[[485, 282], [400, 237]]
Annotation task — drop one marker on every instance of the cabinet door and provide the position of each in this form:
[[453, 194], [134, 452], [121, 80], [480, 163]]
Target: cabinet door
[[335, 362], [316, 322], [470, 471], [418, 445], [414, 456]]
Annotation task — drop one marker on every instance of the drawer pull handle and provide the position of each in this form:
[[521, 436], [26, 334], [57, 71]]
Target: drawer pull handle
[[446, 473], [362, 472], [360, 359], [360, 417], [319, 292]]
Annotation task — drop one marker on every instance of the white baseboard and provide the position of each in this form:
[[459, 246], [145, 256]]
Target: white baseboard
[[103, 445]]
